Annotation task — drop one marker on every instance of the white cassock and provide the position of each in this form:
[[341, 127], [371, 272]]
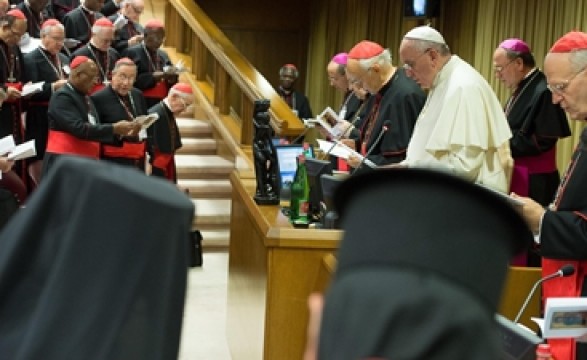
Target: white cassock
[[461, 128]]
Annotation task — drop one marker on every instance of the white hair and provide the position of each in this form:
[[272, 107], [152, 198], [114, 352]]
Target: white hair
[[383, 58], [47, 29], [578, 60]]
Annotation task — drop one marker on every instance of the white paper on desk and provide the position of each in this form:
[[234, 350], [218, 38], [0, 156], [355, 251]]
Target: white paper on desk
[[342, 151], [7, 144], [146, 120], [23, 151], [32, 88], [565, 318]]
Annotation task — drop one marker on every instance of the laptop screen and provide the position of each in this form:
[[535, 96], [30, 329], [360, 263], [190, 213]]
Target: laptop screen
[[287, 161]]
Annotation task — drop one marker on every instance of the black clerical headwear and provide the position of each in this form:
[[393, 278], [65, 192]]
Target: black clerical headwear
[[420, 268], [95, 266]]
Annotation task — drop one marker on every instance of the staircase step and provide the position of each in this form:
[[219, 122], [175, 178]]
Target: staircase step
[[200, 146], [207, 188], [203, 166], [194, 128], [212, 213], [214, 239]]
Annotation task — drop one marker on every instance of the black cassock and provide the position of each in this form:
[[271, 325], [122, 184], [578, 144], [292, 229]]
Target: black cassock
[[69, 112], [104, 61], [112, 108], [104, 267], [536, 125], [147, 63], [298, 102], [41, 66], [399, 103], [34, 20], [122, 35], [62, 7], [78, 24], [163, 136]]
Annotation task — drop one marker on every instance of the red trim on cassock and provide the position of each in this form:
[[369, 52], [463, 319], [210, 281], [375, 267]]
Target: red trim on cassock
[[97, 88], [165, 163], [159, 91], [17, 86], [128, 150], [59, 142]]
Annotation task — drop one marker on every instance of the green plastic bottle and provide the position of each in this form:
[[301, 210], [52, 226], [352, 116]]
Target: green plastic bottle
[[300, 195]]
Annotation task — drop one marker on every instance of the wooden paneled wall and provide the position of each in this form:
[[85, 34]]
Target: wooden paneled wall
[[269, 33]]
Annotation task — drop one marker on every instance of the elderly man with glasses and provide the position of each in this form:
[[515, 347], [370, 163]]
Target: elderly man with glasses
[[131, 33], [561, 228], [462, 128], [394, 104], [536, 124]]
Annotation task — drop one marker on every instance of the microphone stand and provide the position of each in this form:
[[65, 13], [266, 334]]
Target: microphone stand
[[364, 160]]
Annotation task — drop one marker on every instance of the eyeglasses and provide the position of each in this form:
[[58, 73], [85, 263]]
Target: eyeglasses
[[559, 88], [137, 11], [409, 65], [58, 39], [125, 78], [499, 69], [359, 79]]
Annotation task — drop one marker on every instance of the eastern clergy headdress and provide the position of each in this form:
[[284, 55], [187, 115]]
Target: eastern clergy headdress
[[516, 45], [78, 60], [16, 13], [426, 33], [420, 268], [291, 67], [571, 41]]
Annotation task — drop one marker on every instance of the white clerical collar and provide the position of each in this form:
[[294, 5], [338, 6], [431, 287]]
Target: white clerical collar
[[445, 71], [87, 10], [166, 102]]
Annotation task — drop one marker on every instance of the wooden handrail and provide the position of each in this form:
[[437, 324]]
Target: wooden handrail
[[229, 66]]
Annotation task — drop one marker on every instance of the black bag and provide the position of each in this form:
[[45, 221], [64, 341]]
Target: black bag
[[195, 248]]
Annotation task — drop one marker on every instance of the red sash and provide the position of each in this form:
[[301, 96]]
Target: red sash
[[17, 86], [128, 150], [59, 142], [97, 88], [570, 286], [165, 163], [159, 91]]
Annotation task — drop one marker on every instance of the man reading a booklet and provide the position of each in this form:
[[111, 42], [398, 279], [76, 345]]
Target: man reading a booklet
[[396, 100], [561, 228], [74, 125], [164, 138], [121, 101]]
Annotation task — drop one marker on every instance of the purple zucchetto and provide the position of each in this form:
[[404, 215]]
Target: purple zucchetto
[[516, 45], [340, 58]]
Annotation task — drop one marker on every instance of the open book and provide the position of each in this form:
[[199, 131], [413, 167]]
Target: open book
[[23, 151], [32, 88], [7, 144], [329, 121], [340, 150], [146, 120], [564, 318]]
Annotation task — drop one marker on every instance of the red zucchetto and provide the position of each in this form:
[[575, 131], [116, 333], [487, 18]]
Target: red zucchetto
[[78, 60], [183, 88], [104, 22], [50, 22], [17, 14], [365, 50], [154, 24], [574, 40]]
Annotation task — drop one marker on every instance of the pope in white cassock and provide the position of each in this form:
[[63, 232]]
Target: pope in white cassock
[[462, 127]]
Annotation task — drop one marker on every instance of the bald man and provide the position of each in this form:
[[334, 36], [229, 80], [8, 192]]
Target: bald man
[[74, 126]]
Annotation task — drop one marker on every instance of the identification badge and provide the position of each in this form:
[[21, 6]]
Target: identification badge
[[91, 119]]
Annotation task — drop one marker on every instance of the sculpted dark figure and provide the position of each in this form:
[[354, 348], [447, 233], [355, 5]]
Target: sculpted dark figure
[[266, 170]]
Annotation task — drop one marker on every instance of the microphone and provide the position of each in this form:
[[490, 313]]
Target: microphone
[[335, 140], [384, 128], [301, 136], [565, 270]]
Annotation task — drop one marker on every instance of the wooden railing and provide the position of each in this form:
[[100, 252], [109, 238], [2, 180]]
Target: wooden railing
[[227, 78]]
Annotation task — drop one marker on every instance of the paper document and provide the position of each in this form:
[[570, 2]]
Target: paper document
[[564, 318], [120, 22], [32, 88], [146, 120], [340, 150], [7, 144], [23, 151], [330, 122]]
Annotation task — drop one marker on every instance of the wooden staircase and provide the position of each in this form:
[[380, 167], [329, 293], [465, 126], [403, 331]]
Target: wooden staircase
[[205, 174]]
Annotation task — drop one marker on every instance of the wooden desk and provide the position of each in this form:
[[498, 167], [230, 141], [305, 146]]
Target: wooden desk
[[272, 270]]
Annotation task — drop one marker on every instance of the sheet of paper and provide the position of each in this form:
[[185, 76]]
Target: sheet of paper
[[340, 150], [23, 151], [565, 318], [7, 144], [146, 120], [32, 88]]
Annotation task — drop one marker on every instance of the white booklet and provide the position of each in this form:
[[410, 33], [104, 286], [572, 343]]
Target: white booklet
[[32, 88], [329, 121], [564, 318], [340, 150], [23, 151], [7, 144], [146, 120]]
